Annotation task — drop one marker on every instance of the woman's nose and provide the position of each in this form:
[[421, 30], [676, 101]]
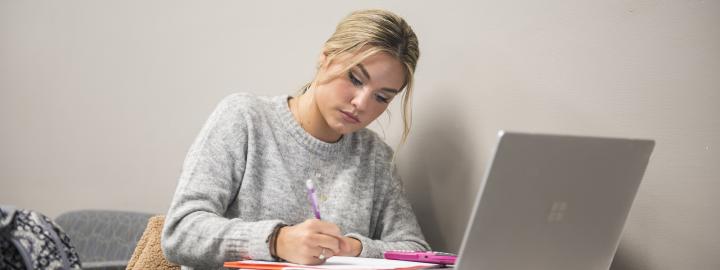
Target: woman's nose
[[361, 99]]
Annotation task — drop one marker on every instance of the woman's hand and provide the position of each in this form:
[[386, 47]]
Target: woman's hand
[[313, 241], [354, 247]]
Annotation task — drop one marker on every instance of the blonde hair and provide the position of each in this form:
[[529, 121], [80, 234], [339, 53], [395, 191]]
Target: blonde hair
[[374, 31]]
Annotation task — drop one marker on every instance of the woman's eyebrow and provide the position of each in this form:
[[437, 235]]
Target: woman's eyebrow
[[367, 75], [364, 71], [394, 91]]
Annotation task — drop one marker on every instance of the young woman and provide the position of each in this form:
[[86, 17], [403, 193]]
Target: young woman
[[242, 193]]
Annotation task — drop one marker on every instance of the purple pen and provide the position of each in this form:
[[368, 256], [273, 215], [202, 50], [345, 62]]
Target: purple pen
[[311, 196]]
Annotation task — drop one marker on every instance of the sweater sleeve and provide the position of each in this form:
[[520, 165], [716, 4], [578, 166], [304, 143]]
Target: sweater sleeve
[[397, 227], [195, 232]]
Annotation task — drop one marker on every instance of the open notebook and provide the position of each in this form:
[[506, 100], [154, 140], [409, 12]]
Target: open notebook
[[336, 262]]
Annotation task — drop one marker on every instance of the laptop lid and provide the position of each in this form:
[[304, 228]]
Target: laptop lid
[[553, 202]]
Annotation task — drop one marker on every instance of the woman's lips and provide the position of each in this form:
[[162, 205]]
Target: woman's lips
[[349, 117]]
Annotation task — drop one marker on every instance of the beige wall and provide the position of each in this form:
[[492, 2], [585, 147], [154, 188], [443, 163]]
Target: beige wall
[[99, 100]]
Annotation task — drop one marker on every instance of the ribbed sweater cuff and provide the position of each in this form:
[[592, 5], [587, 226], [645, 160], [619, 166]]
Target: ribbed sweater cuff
[[257, 246]]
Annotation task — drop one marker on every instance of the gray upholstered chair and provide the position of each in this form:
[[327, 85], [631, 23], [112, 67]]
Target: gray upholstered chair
[[104, 239]]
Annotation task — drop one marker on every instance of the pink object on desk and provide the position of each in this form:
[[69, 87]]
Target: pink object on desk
[[421, 256]]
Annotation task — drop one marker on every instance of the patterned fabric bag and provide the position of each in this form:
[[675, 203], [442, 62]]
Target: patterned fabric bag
[[30, 240]]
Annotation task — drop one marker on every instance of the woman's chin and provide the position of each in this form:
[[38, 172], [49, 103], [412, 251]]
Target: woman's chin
[[345, 128]]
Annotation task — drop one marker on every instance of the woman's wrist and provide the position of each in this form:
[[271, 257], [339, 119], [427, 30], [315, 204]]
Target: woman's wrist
[[272, 241]]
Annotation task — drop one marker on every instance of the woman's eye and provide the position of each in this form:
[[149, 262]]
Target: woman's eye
[[382, 99], [353, 79]]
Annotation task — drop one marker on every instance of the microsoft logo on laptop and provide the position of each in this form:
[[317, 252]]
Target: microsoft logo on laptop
[[557, 212]]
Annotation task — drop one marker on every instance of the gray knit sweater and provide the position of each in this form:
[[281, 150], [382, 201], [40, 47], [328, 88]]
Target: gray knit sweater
[[245, 174]]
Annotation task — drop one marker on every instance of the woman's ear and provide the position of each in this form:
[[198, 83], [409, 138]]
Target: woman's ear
[[320, 68], [321, 59]]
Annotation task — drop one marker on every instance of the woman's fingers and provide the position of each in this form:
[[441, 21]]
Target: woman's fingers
[[325, 241], [324, 253], [310, 242], [323, 227], [346, 246], [314, 255]]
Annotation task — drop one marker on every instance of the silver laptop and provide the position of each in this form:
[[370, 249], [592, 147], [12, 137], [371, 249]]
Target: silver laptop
[[553, 202]]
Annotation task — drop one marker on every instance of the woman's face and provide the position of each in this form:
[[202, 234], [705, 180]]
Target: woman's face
[[355, 98]]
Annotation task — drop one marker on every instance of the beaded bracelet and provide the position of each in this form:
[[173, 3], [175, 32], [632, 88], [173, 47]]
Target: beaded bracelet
[[272, 242]]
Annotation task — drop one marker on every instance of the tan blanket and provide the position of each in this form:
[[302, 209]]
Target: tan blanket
[[148, 252]]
